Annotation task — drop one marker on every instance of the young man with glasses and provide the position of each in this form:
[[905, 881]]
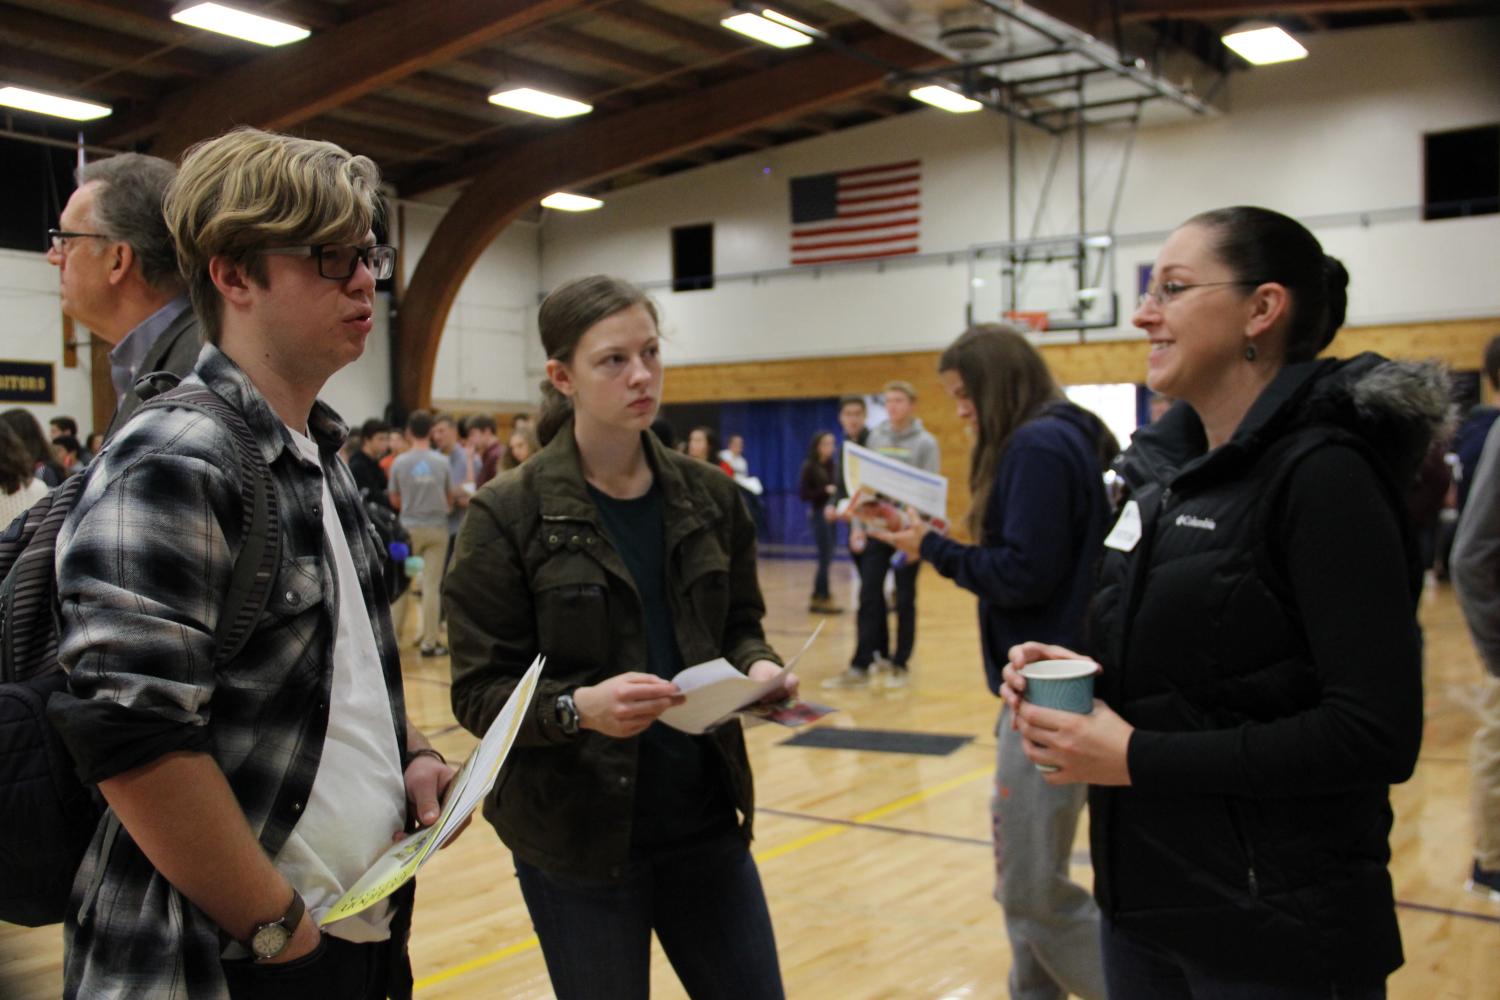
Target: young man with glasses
[[254, 793], [118, 273]]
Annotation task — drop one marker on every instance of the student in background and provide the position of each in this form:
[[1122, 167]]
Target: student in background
[[364, 464], [44, 464], [1261, 682], [901, 436], [1038, 518], [619, 825], [422, 491], [522, 446], [700, 445], [18, 481], [1476, 579], [816, 487]]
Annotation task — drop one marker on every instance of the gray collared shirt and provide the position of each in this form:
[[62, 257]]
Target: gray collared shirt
[[127, 355]]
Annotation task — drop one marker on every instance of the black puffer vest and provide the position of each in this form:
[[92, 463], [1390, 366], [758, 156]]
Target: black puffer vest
[[1197, 632]]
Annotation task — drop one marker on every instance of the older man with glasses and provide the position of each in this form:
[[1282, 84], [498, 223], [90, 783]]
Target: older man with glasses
[[118, 272]]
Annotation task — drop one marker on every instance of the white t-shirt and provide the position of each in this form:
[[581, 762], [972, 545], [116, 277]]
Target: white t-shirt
[[358, 799]]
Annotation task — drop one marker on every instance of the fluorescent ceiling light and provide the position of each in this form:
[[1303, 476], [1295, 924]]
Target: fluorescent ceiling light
[[781, 35], [539, 102], [52, 104], [240, 24], [1263, 44], [571, 202], [790, 22], [948, 100]]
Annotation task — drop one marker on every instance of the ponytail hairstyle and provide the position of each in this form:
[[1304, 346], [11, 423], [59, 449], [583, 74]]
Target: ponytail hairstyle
[[1008, 384], [1259, 246], [569, 312]]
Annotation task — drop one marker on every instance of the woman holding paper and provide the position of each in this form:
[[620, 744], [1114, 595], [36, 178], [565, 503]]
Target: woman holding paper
[[1038, 516], [622, 563], [1261, 684]]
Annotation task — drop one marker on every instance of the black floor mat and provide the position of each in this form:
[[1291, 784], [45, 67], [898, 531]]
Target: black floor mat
[[880, 740]]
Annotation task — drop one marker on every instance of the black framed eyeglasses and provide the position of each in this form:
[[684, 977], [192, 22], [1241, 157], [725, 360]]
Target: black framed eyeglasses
[[1165, 292], [57, 239], [337, 261]]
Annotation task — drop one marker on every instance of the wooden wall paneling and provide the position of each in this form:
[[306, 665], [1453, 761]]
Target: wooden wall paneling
[[1457, 343]]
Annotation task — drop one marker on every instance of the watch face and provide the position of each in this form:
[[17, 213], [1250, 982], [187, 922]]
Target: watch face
[[269, 941]]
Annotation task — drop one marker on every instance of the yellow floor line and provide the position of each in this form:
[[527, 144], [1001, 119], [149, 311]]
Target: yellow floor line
[[761, 857]]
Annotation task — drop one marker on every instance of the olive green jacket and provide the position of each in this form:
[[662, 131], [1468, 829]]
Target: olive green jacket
[[534, 572]]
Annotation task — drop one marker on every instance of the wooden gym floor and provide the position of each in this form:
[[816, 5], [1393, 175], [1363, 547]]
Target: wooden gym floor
[[877, 866]]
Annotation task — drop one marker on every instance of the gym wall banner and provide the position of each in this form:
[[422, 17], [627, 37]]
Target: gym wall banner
[[27, 382]]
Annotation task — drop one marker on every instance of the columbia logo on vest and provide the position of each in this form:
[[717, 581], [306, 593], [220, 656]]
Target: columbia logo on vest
[[1189, 521]]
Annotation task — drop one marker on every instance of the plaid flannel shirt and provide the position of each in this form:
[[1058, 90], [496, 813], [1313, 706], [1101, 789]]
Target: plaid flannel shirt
[[143, 564]]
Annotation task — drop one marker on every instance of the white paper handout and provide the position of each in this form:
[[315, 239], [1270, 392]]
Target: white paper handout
[[895, 480], [470, 785], [715, 691]]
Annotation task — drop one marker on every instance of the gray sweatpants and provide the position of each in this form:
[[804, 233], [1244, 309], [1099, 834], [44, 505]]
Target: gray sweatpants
[[1052, 923]]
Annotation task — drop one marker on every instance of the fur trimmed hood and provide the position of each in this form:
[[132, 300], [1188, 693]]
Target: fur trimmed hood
[[1398, 408]]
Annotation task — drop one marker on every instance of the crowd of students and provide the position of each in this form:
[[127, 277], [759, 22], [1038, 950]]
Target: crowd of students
[[1247, 596]]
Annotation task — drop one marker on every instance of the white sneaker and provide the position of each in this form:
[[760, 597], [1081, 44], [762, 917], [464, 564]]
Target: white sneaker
[[850, 678], [896, 677]]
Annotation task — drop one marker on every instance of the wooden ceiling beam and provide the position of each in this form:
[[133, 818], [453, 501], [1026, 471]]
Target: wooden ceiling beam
[[670, 27], [502, 67], [55, 36], [428, 122], [73, 78], [381, 145], [1150, 10], [605, 53], [592, 150], [340, 64]]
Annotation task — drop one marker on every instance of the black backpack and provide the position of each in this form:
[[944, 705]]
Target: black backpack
[[395, 542], [47, 816]]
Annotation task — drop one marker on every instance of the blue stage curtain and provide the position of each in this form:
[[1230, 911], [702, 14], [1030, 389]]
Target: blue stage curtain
[[777, 433]]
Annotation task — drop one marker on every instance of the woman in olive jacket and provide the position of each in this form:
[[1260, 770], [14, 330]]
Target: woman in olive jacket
[[623, 563], [1255, 621]]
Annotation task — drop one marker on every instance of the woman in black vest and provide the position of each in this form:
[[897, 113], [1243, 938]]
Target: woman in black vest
[[1255, 618]]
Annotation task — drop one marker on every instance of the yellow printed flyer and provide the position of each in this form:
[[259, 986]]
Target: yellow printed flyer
[[395, 867]]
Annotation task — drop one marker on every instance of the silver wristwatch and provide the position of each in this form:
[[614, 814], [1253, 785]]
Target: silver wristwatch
[[270, 940], [567, 714]]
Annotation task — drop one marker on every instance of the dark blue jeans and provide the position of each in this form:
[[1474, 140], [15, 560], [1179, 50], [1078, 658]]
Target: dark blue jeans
[[705, 903], [1135, 969], [872, 621], [823, 537]]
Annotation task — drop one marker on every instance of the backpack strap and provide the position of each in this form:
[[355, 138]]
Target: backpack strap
[[260, 542]]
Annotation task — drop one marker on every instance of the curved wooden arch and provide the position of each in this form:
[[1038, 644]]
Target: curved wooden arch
[[592, 150]]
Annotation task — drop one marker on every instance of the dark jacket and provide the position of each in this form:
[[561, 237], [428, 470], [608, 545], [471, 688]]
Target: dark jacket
[[175, 351], [1044, 522], [1260, 635], [813, 483], [533, 572]]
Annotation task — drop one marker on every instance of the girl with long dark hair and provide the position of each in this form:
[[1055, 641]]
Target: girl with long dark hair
[[1036, 476], [818, 487]]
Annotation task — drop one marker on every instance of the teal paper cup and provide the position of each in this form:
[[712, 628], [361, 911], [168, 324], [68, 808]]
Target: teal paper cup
[[1067, 685]]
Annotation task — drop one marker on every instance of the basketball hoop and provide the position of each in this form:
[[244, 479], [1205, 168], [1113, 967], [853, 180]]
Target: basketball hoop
[[1028, 321]]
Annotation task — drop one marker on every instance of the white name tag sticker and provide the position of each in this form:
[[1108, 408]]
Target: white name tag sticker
[[1127, 530]]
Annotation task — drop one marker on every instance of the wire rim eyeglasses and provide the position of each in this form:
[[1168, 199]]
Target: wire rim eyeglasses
[[337, 261], [1168, 291]]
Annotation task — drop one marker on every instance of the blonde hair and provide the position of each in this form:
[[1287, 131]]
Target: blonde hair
[[249, 190], [902, 386]]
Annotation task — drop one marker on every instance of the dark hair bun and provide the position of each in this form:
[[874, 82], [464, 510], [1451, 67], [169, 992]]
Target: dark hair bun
[[1336, 280]]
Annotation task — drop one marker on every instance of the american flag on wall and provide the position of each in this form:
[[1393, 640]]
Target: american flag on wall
[[856, 214]]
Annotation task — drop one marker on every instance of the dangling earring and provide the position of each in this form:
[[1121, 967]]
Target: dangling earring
[[1250, 352]]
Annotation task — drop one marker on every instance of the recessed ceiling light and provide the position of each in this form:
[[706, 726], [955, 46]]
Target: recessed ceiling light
[[777, 31], [52, 104], [539, 102], [227, 20], [1262, 44], [948, 100], [571, 202]]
